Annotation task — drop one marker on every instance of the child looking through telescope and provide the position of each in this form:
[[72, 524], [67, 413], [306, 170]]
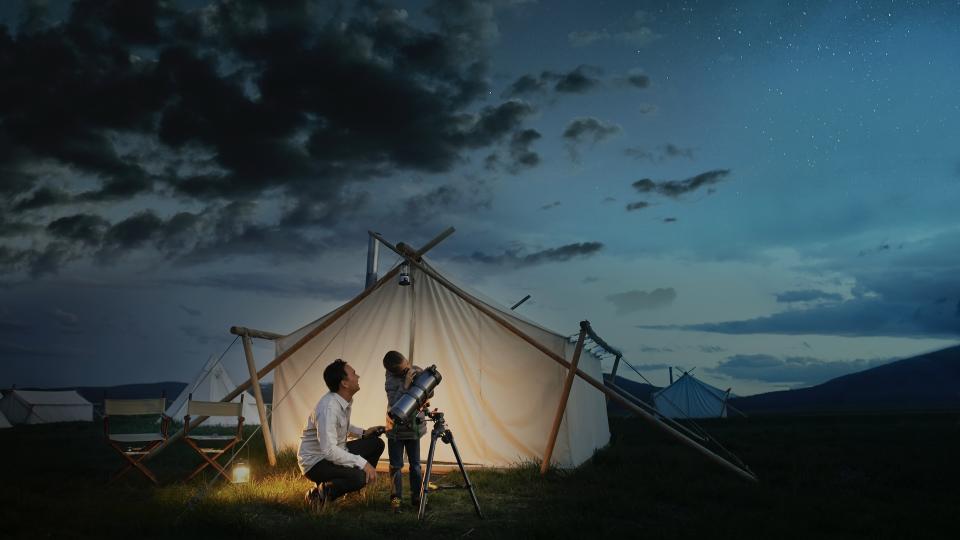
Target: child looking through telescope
[[402, 437]]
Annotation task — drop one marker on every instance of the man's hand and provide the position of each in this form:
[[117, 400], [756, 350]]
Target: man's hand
[[370, 472], [375, 430]]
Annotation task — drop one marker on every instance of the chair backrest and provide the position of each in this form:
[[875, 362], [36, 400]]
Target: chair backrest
[[131, 407], [214, 408]]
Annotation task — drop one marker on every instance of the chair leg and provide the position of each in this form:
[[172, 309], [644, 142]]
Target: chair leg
[[134, 463], [210, 461]]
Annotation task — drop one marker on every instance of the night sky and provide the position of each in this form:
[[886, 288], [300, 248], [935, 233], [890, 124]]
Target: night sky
[[767, 193]]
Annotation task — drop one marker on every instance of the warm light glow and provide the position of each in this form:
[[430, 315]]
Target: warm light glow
[[241, 472]]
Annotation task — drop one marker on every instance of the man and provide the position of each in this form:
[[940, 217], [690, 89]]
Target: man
[[337, 466]]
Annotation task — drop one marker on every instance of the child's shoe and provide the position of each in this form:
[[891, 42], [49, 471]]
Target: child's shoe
[[395, 504]]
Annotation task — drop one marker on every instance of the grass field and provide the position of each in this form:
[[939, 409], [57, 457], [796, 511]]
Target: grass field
[[868, 476]]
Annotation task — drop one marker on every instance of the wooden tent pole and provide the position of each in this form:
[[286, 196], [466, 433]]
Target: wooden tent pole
[[562, 406], [258, 395], [312, 334], [580, 373]]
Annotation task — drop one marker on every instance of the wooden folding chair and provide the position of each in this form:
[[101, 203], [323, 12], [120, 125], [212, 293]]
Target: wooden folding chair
[[211, 454], [134, 447]]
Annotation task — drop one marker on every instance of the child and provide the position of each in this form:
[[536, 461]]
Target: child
[[400, 437]]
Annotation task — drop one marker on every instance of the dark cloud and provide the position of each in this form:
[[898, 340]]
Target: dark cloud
[[277, 98], [580, 80], [660, 154], [631, 301], [520, 154], [638, 80], [647, 349], [190, 311], [85, 228], [554, 204], [711, 348], [42, 197], [639, 205], [807, 295], [515, 258], [669, 220], [798, 371], [581, 130], [14, 228], [590, 279], [676, 188]]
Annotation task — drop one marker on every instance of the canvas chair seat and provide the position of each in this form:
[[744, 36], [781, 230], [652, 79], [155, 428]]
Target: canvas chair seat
[[211, 455], [213, 437], [134, 447], [136, 437]]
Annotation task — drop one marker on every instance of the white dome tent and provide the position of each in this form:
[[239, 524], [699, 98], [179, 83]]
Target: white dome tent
[[689, 397], [213, 383]]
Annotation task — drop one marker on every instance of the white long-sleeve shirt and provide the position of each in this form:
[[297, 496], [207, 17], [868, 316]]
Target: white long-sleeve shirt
[[325, 435]]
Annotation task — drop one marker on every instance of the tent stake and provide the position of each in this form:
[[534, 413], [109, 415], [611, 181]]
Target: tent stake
[[562, 406], [258, 395]]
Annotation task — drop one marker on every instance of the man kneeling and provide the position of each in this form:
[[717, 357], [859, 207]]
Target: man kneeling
[[337, 466]]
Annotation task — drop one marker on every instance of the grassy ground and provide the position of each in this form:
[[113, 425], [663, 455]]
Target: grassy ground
[[880, 476]]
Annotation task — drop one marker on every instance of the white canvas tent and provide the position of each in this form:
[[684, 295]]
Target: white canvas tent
[[4, 423], [41, 407], [498, 393], [689, 397], [213, 383]]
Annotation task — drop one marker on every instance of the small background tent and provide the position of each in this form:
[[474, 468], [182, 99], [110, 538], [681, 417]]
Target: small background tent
[[499, 394], [41, 407], [689, 397], [213, 383], [4, 423]]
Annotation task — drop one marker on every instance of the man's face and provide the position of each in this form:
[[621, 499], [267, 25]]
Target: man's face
[[352, 381]]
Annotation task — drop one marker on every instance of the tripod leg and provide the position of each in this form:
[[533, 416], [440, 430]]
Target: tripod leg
[[426, 476], [466, 479]]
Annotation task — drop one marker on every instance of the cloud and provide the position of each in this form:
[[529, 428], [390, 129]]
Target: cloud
[[520, 154], [633, 31], [590, 279], [660, 154], [228, 103], [807, 295], [632, 301], [554, 204], [798, 371], [579, 80], [581, 130], [274, 285], [639, 205], [676, 188], [516, 259], [190, 311], [669, 220], [710, 348], [65, 318]]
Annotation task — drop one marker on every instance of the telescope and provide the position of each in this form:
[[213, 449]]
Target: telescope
[[421, 389]]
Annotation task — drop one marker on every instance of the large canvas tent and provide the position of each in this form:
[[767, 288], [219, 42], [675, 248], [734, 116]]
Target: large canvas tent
[[41, 407], [4, 423], [689, 397], [498, 393], [213, 383]]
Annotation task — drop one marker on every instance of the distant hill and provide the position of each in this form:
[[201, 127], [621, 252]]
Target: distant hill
[[927, 382], [169, 389], [642, 391]]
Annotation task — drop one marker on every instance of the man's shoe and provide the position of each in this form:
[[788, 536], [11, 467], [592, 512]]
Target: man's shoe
[[317, 496], [395, 504]]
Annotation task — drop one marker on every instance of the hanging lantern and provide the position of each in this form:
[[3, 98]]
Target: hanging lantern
[[405, 274]]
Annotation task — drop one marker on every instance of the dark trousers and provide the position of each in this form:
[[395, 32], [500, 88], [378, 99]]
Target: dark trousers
[[342, 480], [395, 449]]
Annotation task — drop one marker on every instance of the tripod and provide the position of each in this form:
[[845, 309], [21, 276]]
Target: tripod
[[441, 432]]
